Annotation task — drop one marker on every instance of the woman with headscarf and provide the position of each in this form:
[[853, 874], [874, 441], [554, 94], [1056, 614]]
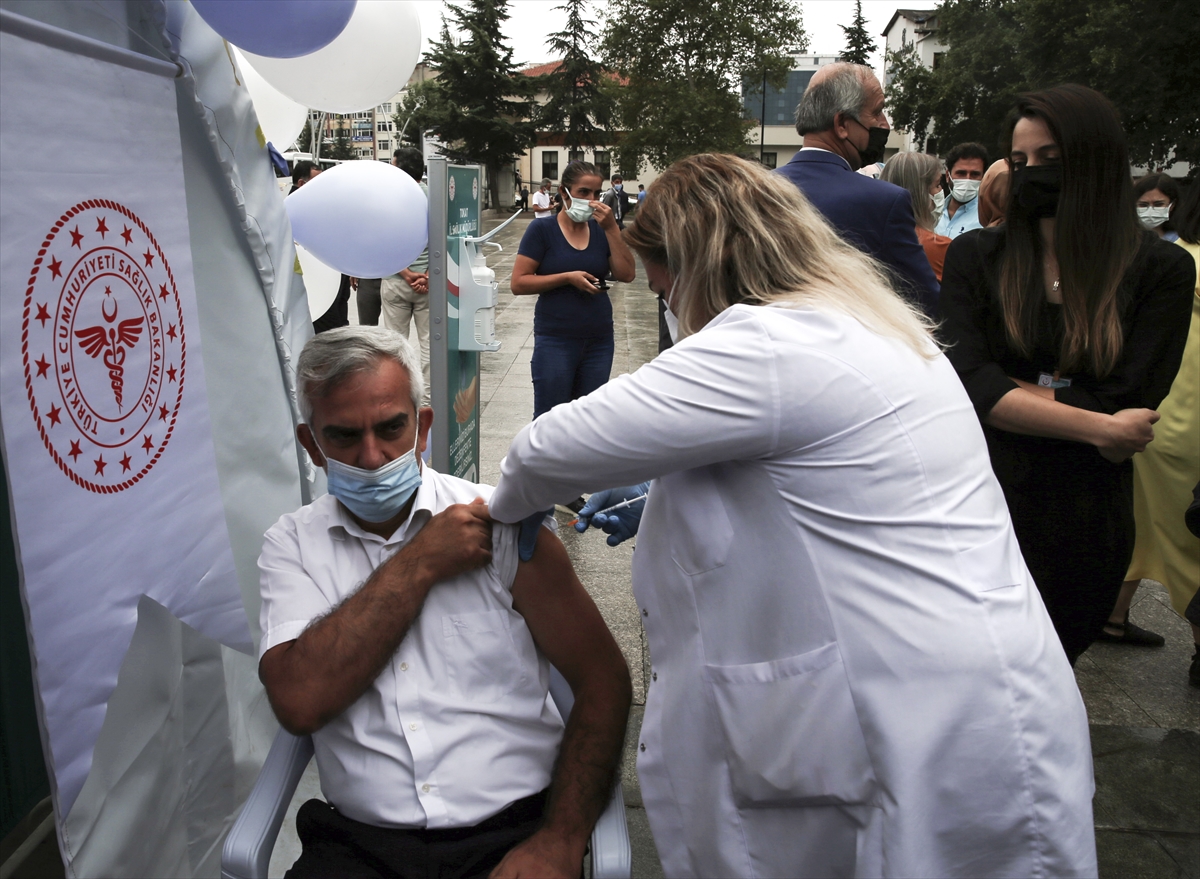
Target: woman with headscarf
[[852, 672]]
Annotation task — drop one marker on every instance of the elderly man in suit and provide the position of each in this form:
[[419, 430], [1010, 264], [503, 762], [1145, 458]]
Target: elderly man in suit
[[840, 116]]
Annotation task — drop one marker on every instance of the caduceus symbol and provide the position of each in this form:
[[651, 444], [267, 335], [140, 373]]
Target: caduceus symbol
[[112, 342]]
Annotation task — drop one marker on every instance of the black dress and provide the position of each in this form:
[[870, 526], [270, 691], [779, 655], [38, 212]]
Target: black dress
[[1072, 509]]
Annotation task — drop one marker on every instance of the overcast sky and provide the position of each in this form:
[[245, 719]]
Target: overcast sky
[[531, 20]]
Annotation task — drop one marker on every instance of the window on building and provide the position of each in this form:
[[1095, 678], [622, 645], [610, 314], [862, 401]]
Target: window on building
[[603, 164], [385, 108], [385, 145], [769, 160], [575, 156], [550, 164], [937, 59]]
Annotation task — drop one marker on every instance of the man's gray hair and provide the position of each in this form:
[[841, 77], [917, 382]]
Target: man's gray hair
[[842, 89], [335, 355]]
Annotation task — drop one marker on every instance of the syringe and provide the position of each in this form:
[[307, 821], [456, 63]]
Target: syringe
[[621, 506]]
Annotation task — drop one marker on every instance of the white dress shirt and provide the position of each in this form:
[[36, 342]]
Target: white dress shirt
[[852, 670], [459, 724], [541, 205]]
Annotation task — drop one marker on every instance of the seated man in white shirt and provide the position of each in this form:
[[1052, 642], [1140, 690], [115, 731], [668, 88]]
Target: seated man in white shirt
[[401, 630]]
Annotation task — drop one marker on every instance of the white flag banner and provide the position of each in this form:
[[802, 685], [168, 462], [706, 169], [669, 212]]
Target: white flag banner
[[103, 403]]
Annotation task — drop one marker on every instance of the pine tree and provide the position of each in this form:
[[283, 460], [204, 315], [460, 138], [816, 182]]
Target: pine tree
[[479, 104], [578, 105], [859, 45]]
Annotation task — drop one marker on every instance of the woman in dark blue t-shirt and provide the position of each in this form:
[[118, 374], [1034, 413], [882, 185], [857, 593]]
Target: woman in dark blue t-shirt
[[561, 261]]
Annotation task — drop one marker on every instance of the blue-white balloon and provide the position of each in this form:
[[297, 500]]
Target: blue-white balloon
[[365, 219], [277, 28]]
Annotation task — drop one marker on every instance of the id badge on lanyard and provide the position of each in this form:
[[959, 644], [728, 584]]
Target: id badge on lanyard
[[1046, 380]]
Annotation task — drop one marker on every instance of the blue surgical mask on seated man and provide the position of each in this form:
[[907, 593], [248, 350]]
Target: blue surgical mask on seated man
[[580, 211], [375, 495]]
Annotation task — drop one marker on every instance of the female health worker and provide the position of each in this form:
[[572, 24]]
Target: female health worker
[[853, 672]]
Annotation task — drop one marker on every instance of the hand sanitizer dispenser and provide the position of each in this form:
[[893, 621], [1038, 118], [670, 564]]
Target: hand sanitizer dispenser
[[477, 297]]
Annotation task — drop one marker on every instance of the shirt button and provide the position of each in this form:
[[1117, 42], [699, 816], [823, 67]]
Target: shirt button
[[424, 788], [412, 726], [645, 613], [654, 676], [642, 746], [404, 666]]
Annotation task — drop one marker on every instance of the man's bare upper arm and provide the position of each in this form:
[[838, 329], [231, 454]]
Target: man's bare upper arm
[[564, 621]]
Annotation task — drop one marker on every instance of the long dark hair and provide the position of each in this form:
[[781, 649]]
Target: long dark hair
[[1187, 213], [1096, 230]]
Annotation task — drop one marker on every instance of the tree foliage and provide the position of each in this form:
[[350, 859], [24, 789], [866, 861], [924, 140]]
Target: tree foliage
[[343, 148], [578, 105], [681, 65], [480, 105], [859, 45], [1140, 53]]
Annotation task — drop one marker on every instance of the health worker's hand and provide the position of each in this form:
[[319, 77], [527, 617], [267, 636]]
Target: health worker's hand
[[527, 539], [619, 525]]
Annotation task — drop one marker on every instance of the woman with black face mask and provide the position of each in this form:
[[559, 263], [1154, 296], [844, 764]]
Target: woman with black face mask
[[1066, 325]]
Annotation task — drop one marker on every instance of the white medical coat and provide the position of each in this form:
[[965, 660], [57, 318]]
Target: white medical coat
[[853, 673]]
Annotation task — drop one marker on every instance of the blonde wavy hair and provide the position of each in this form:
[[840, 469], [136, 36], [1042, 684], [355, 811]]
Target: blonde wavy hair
[[730, 232]]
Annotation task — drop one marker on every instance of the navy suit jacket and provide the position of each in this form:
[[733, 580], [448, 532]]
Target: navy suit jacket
[[874, 216]]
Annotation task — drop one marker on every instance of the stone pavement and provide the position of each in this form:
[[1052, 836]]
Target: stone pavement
[[1145, 718]]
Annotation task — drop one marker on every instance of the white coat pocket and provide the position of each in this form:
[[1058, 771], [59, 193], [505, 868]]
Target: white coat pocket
[[486, 666], [792, 736]]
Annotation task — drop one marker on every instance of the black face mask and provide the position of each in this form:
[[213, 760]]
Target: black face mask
[[1035, 190], [876, 140]]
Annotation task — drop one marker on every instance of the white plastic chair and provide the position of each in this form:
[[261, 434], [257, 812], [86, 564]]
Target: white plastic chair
[[248, 847]]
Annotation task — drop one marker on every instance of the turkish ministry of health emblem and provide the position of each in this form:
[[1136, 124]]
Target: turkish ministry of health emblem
[[103, 346]]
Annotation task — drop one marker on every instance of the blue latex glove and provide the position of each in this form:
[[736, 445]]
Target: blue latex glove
[[527, 539], [619, 525]]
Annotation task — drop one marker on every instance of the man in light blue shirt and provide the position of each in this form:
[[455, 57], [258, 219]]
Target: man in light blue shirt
[[966, 163]]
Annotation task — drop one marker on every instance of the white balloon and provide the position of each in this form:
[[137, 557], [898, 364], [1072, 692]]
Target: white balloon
[[320, 281], [280, 118], [366, 219], [368, 62]]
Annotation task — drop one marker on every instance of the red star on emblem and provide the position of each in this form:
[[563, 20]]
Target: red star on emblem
[[162, 413], [76, 237], [148, 257], [43, 315], [55, 267], [75, 450], [147, 443], [171, 332], [171, 373], [54, 415], [101, 228], [128, 236], [162, 291], [125, 462], [100, 465], [43, 366]]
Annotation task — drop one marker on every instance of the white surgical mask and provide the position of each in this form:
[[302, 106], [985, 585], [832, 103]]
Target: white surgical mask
[[939, 204], [375, 495], [618, 187], [964, 191], [1152, 218], [579, 210]]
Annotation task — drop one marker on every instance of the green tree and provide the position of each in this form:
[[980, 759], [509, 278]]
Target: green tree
[[859, 45], [578, 105], [1139, 53], [681, 65], [343, 148], [479, 105]]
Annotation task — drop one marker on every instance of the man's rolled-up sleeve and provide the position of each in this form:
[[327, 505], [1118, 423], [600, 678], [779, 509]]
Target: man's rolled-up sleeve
[[291, 600]]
